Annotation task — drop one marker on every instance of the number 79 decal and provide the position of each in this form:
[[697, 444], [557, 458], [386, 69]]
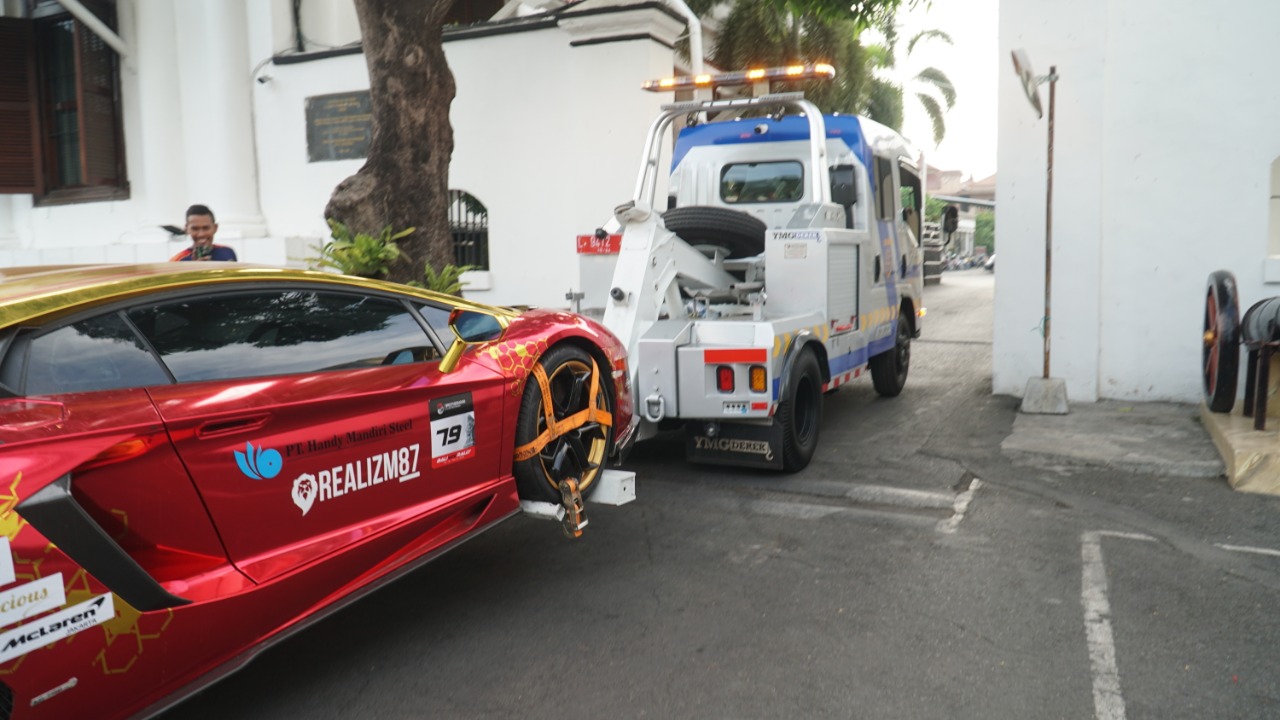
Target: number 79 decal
[[453, 429]]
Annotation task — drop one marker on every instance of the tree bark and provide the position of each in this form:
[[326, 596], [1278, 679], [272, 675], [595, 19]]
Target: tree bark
[[405, 179]]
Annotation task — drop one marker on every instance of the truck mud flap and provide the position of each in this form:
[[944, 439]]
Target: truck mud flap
[[740, 444]]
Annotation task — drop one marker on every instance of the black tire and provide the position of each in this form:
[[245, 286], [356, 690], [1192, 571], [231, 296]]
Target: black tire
[[800, 413], [740, 234], [568, 369], [1220, 358], [889, 369]]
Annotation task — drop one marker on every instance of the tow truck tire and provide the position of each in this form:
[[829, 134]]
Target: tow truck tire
[[1220, 359], [800, 413], [740, 234], [568, 369], [889, 368]]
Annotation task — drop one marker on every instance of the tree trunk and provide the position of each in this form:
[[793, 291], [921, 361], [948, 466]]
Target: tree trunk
[[405, 180]]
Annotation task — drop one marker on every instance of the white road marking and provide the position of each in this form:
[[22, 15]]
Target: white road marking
[[795, 511], [960, 507], [902, 497], [1108, 704], [1247, 549]]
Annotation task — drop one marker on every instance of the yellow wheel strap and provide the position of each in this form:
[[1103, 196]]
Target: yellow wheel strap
[[556, 428]]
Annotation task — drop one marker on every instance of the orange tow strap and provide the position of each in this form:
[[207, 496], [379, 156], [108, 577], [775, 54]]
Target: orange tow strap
[[557, 428]]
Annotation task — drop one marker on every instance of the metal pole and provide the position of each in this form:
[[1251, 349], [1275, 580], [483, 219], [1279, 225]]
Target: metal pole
[[1048, 220]]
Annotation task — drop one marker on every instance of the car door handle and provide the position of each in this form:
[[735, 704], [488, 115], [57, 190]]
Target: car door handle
[[230, 426]]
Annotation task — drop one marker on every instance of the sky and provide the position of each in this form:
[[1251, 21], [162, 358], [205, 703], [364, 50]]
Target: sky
[[972, 64]]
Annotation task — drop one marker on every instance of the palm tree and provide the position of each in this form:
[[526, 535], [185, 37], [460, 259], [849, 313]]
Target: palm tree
[[931, 84], [758, 33]]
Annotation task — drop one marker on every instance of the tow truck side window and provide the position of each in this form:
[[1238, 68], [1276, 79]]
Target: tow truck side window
[[762, 182], [886, 201], [912, 209]]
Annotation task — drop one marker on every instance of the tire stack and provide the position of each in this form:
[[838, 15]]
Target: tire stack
[[933, 252]]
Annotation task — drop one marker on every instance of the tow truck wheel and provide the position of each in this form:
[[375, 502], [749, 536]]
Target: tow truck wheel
[[889, 369], [578, 450], [801, 413], [738, 233], [1221, 353]]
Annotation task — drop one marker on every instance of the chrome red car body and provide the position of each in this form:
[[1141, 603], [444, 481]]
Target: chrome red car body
[[154, 538]]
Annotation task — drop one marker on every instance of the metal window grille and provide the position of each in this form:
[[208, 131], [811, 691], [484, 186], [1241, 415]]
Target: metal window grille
[[469, 224]]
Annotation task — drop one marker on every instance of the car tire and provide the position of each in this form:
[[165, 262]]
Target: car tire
[[889, 369], [568, 369], [800, 413], [1220, 358], [738, 233]]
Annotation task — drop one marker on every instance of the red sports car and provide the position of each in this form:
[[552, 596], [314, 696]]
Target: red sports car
[[197, 459]]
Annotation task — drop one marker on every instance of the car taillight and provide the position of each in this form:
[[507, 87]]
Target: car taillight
[[759, 378], [724, 378]]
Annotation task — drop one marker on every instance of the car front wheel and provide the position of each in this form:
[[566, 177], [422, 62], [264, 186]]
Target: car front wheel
[[565, 426]]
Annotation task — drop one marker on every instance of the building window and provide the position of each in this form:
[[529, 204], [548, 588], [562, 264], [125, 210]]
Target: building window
[[61, 89], [469, 224]]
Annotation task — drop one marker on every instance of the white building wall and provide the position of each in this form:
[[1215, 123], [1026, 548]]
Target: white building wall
[[549, 125], [1164, 142], [550, 150]]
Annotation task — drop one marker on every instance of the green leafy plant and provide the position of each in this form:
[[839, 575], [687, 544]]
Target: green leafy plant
[[359, 254], [447, 281]]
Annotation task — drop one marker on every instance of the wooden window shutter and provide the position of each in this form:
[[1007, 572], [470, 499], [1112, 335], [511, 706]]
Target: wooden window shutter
[[99, 137], [19, 110]]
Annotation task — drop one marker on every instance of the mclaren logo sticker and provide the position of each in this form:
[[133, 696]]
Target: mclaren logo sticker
[[52, 628]]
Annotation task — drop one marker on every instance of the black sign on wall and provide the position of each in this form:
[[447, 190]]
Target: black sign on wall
[[339, 126]]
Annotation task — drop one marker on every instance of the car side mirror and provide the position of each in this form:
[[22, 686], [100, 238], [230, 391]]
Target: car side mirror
[[470, 327], [844, 187]]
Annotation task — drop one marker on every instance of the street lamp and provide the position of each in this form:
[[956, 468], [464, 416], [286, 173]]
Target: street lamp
[[1043, 395]]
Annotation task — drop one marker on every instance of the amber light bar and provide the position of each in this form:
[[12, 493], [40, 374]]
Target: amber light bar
[[817, 71]]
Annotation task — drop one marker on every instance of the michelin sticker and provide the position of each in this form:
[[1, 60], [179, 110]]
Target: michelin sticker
[[58, 626], [453, 429], [400, 464]]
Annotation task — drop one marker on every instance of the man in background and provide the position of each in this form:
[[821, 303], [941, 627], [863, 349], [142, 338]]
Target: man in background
[[201, 228]]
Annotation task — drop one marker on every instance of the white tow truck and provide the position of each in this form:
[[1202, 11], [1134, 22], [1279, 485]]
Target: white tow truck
[[785, 263]]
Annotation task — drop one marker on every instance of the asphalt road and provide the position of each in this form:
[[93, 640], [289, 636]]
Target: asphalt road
[[911, 571]]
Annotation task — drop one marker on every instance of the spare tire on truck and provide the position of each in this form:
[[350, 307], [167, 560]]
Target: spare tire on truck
[[740, 234]]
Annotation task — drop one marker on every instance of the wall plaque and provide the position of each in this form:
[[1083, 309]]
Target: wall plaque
[[339, 126]]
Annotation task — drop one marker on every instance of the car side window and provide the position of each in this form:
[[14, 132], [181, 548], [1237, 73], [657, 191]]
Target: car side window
[[100, 353], [438, 318], [281, 332]]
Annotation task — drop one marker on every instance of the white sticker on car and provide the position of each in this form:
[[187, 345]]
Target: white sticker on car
[[399, 464], [453, 429], [52, 628], [24, 601], [6, 562]]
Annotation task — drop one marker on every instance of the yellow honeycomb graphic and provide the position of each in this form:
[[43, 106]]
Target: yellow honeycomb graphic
[[516, 360]]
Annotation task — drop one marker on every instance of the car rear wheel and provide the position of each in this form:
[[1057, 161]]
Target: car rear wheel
[[565, 426]]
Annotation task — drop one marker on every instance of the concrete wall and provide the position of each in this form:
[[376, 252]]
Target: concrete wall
[[1162, 170]]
